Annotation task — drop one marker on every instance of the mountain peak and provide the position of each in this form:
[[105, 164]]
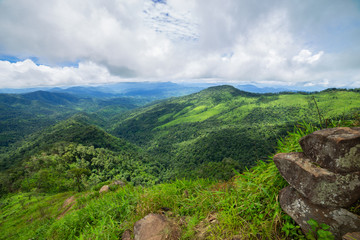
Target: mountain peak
[[223, 89]]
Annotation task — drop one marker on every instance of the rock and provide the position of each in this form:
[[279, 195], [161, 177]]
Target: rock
[[336, 149], [104, 189], [156, 227], [118, 182], [301, 210], [126, 235], [68, 202], [352, 236], [317, 184], [67, 206]]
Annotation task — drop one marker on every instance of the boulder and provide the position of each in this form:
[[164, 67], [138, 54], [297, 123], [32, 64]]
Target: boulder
[[126, 235], [104, 189], [352, 236], [118, 182], [336, 149], [317, 184], [302, 210], [156, 227]]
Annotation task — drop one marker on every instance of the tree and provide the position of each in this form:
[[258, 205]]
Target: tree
[[78, 173]]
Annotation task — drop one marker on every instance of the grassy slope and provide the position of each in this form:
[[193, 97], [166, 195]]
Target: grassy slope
[[195, 131], [231, 106], [246, 207]]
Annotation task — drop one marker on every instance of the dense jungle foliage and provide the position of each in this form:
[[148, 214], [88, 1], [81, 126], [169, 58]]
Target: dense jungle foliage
[[245, 207], [223, 124], [189, 154], [207, 134]]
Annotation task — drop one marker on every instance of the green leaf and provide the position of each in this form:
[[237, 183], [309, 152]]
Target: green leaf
[[325, 235], [324, 226]]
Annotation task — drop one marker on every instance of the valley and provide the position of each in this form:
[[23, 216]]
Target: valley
[[59, 143]]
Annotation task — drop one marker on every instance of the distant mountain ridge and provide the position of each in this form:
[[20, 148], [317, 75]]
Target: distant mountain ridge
[[255, 89], [156, 90], [51, 98]]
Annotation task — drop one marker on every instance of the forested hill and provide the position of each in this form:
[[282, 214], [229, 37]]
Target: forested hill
[[58, 146], [23, 114], [207, 134], [222, 126]]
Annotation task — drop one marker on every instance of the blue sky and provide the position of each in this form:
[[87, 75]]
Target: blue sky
[[268, 43]]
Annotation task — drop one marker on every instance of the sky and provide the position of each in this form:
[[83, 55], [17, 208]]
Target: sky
[[268, 43]]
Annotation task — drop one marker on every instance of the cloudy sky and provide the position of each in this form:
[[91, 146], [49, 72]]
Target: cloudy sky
[[270, 43]]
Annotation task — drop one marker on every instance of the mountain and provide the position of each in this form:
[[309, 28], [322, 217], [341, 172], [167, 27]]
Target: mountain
[[142, 90], [49, 158], [23, 114], [255, 89], [185, 157], [77, 129], [147, 91], [224, 124], [93, 92], [204, 130]]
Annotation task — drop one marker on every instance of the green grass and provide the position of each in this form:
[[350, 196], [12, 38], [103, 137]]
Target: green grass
[[246, 206], [330, 103]]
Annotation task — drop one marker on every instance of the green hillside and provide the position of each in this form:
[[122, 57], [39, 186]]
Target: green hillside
[[189, 154], [207, 134], [246, 207], [23, 114], [223, 124], [73, 144]]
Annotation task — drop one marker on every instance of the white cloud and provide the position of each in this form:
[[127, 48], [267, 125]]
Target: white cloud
[[235, 40], [305, 56], [27, 73]]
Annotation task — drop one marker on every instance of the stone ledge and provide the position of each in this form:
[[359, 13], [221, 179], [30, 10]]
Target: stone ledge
[[302, 210], [317, 184], [336, 149]]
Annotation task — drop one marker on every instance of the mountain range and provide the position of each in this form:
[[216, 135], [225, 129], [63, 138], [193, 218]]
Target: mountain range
[[185, 155]]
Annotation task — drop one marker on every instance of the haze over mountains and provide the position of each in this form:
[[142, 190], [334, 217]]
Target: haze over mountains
[[154, 90]]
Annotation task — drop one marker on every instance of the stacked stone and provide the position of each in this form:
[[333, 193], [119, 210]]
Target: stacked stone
[[324, 180]]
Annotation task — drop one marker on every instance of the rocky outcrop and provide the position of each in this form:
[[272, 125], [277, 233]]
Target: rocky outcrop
[[104, 189], [352, 236], [156, 227], [323, 180], [118, 182], [317, 184], [302, 210], [335, 149]]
